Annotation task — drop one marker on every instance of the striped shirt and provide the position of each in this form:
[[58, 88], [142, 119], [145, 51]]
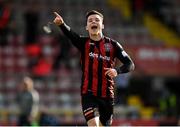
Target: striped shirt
[[95, 56]]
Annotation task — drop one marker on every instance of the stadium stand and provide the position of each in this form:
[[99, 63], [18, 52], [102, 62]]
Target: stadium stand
[[59, 87]]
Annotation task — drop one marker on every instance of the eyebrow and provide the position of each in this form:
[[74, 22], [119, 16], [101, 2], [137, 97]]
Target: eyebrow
[[93, 18]]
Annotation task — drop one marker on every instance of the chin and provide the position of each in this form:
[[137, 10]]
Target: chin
[[95, 33]]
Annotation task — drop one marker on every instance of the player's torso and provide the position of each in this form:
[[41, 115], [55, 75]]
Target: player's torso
[[96, 56]]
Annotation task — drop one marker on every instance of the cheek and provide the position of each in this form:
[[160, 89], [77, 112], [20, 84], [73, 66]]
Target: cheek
[[87, 27], [101, 26]]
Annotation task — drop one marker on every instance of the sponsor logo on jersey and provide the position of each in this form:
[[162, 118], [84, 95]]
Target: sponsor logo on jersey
[[99, 56]]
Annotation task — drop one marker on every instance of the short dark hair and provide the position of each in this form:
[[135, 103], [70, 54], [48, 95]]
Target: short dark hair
[[92, 12]]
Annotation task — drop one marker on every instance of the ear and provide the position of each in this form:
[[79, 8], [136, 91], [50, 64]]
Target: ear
[[86, 28], [102, 26]]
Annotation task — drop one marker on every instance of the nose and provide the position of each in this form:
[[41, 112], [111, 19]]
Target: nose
[[93, 21]]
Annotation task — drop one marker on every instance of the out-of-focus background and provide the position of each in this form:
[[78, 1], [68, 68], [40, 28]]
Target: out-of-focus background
[[149, 30]]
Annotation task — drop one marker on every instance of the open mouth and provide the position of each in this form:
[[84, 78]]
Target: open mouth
[[94, 27]]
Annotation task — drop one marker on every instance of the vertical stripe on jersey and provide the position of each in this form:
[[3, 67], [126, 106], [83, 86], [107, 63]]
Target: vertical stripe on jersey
[[90, 68], [83, 69], [100, 68], [103, 64], [107, 52], [85, 63], [95, 72]]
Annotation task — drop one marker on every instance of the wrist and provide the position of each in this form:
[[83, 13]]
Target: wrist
[[59, 24], [115, 72]]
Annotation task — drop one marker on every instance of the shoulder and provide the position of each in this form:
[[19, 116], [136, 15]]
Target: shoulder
[[114, 42]]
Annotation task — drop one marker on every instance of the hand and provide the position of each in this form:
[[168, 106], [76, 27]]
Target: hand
[[58, 20], [111, 72]]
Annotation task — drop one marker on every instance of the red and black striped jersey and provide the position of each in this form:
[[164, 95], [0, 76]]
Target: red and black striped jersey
[[95, 56]]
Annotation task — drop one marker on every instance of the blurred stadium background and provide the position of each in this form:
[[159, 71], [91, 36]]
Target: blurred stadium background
[[149, 30]]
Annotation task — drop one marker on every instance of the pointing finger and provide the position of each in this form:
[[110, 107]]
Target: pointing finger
[[56, 14]]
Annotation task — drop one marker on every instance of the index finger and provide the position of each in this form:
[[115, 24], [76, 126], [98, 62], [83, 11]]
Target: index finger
[[56, 13]]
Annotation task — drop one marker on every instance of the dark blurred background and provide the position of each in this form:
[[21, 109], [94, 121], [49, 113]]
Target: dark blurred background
[[149, 30]]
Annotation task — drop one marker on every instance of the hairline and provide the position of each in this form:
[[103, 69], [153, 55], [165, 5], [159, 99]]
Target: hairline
[[95, 14]]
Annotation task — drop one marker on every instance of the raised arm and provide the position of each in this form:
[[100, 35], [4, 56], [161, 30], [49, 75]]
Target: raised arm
[[74, 37]]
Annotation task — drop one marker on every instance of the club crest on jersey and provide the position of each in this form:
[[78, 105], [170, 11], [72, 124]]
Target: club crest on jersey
[[107, 47]]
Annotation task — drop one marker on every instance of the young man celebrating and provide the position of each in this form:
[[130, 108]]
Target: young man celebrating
[[98, 54]]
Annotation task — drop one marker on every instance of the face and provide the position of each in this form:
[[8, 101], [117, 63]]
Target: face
[[94, 24], [27, 83]]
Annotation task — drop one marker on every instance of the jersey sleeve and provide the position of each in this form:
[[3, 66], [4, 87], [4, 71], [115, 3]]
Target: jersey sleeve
[[74, 37], [121, 54]]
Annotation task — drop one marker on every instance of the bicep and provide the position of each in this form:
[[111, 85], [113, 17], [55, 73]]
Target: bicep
[[122, 55]]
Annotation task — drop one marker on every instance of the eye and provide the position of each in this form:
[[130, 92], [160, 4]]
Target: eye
[[97, 20], [90, 20]]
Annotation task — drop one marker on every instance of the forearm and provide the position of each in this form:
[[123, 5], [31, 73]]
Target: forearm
[[68, 32], [125, 68], [74, 37], [65, 29], [128, 64]]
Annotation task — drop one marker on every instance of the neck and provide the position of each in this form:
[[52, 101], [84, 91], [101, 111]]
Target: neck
[[96, 37]]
